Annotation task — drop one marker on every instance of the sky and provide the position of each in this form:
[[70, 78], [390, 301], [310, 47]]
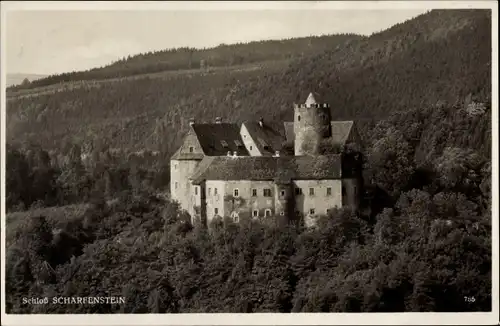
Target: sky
[[54, 41]]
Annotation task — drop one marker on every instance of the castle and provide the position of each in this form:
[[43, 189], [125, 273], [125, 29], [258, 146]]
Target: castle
[[263, 170]]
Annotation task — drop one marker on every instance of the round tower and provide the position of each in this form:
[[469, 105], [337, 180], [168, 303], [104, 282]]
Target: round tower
[[311, 125]]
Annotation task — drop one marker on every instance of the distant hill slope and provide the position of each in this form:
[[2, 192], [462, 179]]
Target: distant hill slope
[[189, 58], [17, 79], [442, 56]]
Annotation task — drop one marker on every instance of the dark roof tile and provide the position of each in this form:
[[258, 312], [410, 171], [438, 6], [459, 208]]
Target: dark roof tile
[[213, 135], [273, 136], [278, 169]]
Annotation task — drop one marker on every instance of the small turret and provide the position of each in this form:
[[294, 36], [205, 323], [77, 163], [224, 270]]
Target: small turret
[[311, 125]]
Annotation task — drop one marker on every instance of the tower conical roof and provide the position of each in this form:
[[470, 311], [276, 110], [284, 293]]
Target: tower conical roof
[[310, 99]]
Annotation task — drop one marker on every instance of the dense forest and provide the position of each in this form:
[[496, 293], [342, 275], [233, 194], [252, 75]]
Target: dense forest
[[87, 169]]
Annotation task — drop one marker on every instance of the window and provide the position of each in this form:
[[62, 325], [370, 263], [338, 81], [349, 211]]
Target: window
[[298, 118], [215, 191], [311, 211], [267, 192], [176, 185], [236, 193], [216, 211], [255, 213], [262, 142], [191, 149], [282, 213], [328, 191], [311, 191], [298, 191], [235, 216], [282, 193], [267, 212], [209, 191], [196, 190], [224, 143], [175, 166], [254, 192], [251, 147]]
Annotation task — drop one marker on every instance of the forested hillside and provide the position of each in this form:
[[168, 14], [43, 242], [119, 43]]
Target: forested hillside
[[189, 58], [88, 216]]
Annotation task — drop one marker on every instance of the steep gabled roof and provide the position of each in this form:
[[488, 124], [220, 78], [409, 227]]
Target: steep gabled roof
[[184, 151], [268, 138], [260, 168], [178, 155], [341, 131], [216, 139]]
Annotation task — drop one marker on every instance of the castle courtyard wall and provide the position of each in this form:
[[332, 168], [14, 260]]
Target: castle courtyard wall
[[320, 201], [181, 188]]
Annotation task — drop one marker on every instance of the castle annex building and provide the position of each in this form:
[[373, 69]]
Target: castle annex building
[[261, 169]]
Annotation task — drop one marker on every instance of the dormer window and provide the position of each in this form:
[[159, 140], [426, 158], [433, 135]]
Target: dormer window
[[224, 143], [263, 143], [238, 143]]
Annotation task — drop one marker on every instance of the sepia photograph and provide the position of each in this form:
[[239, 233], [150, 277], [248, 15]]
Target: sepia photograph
[[251, 162]]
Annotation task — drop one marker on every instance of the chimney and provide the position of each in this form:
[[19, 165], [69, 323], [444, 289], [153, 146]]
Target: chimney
[[191, 121], [261, 122], [235, 153], [228, 153], [277, 153], [218, 120]]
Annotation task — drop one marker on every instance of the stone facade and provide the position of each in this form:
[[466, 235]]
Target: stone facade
[[311, 126]]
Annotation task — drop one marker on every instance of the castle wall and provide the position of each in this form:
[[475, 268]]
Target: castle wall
[[311, 125], [282, 198], [241, 206], [214, 199], [351, 192], [249, 142], [320, 201], [284, 202], [181, 188], [200, 208], [354, 138]]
